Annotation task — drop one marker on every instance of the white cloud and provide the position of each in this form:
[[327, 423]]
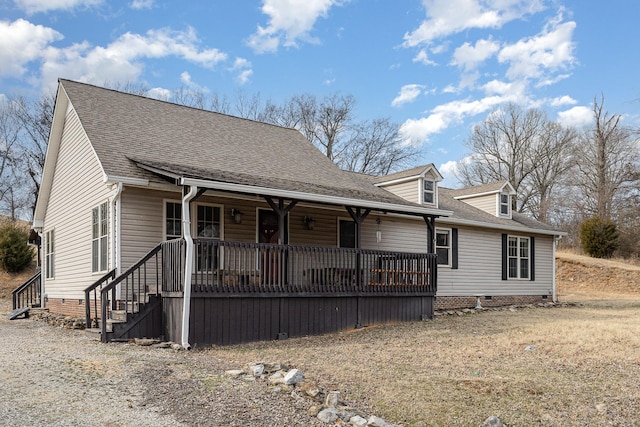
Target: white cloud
[[121, 61], [242, 68], [22, 42], [418, 131], [408, 93], [469, 57], [33, 6], [446, 17], [576, 116], [449, 171], [549, 51], [423, 57], [562, 100], [159, 93], [141, 4], [289, 22]]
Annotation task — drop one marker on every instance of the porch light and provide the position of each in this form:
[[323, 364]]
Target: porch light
[[309, 222], [236, 215]]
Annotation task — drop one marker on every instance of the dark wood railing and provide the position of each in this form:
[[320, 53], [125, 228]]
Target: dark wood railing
[[252, 268], [173, 255], [94, 290], [28, 294], [140, 280]]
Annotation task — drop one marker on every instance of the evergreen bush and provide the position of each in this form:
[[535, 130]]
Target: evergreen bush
[[15, 252], [599, 237]]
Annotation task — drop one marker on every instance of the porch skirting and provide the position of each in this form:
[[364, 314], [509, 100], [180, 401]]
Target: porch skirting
[[223, 320]]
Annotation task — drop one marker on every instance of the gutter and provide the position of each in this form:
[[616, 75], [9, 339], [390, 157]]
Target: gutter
[[188, 264], [115, 231]]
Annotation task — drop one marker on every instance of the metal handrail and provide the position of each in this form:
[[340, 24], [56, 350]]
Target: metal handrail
[[87, 296]]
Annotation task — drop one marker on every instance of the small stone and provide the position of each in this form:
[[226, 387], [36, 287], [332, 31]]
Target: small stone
[[492, 421], [276, 378], [145, 341], [309, 388], [249, 378], [177, 347], [328, 415], [256, 370], [358, 421], [272, 367], [374, 421], [234, 372], [314, 410], [601, 408], [332, 399], [294, 376], [162, 345]]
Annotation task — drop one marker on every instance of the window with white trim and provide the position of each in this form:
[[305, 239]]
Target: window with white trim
[[505, 204], [208, 227], [100, 237], [443, 247], [49, 255], [429, 191], [172, 220], [518, 258]]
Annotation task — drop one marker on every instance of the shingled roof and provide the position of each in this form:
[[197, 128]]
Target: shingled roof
[[132, 135]]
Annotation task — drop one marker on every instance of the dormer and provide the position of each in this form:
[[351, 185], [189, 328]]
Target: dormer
[[418, 185], [495, 198]]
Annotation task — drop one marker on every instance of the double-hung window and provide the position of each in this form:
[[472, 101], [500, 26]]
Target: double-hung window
[[443, 247], [429, 192], [173, 220], [505, 204], [49, 255], [518, 258], [99, 240]]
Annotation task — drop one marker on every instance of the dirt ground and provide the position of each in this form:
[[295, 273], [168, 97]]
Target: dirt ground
[[572, 365]]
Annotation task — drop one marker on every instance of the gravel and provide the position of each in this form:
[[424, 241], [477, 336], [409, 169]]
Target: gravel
[[58, 377]]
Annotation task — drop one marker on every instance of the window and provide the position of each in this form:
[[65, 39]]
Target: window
[[518, 258], [99, 242], [505, 204], [173, 220], [208, 227], [347, 234], [49, 255], [429, 192], [443, 247]]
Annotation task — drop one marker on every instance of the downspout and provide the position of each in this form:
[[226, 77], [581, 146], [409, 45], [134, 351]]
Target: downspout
[[115, 231], [42, 268], [553, 269], [188, 264]]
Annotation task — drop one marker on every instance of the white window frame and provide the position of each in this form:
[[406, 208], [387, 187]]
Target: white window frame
[[194, 227], [49, 255], [519, 257], [448, 247], [433, 191], [164, 219], [100, 240], [507, 204]]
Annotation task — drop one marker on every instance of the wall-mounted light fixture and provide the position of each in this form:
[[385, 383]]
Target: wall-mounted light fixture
[[236, 215], [309, 222]]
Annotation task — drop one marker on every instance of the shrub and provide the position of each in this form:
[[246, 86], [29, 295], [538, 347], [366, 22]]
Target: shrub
[[15, 253], [599, 237]]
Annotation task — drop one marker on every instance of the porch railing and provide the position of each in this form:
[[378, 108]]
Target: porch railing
[[254, 268], [28, 294], [91, 316]]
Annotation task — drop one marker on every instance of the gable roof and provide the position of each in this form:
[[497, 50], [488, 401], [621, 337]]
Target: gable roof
[[482, 190], [408, 174], [466, 214], [141, 140]]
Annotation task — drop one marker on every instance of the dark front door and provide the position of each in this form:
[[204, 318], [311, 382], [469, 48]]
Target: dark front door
[[270, 258]]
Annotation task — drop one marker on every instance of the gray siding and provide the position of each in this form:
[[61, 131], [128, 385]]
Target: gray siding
[[77, 188], [409, 190], [487, 203]]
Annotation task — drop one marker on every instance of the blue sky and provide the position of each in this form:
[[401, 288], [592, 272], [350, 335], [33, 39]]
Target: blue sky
[[435, 67]]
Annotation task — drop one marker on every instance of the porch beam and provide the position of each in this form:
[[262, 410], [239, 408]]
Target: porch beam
[[282, 212], [358, 217], [431, 235]]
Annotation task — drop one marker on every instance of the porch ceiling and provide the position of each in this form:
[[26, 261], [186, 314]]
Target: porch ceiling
[[348, 191]]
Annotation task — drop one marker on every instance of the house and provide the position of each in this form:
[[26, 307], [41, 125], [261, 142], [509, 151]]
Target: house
[[160, 219]]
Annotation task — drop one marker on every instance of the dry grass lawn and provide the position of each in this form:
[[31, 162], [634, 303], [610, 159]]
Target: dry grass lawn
[[572, 366]]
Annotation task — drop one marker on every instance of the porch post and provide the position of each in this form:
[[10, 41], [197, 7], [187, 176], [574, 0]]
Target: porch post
[[431, 247], [282, 212], [188, 262], [358, 217]]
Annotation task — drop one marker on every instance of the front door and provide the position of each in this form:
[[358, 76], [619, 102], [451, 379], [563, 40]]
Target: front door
[[269, 232]]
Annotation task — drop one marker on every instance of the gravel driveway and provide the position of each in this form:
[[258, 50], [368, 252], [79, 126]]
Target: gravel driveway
[[57, 377]]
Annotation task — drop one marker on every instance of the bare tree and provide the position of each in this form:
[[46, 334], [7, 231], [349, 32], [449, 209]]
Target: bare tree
[[376, 148], [9, 132], [502, 148], [607, 160]]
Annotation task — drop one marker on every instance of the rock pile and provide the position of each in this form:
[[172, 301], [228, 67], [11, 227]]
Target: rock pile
[[325, 405], [515, 307], [57, 320]]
